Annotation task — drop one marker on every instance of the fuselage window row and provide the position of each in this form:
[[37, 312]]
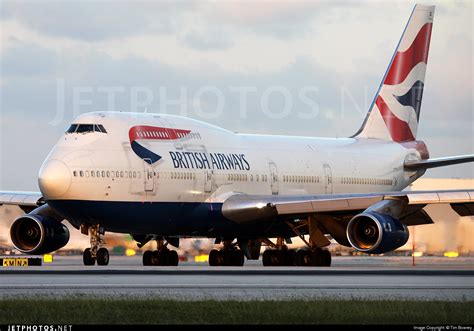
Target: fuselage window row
[[365, 181], [107, 174], [300, 179]]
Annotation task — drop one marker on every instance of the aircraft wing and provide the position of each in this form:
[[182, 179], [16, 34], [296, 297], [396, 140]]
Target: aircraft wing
[[242, 208], [25, 200]]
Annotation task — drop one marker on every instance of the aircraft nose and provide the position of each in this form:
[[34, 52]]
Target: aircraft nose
[[54, 179]]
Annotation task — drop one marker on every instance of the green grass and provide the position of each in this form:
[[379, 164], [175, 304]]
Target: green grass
[[156, 311]]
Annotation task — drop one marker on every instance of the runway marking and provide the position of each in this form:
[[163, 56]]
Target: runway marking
[[225, 272], [237, 286]]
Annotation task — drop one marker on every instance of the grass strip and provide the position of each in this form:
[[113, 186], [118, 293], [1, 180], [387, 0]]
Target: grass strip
[[158, 311]]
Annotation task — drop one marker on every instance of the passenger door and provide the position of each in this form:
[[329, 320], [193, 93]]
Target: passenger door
[[327, 179], [149, 179], [273, 177], [208, 180]]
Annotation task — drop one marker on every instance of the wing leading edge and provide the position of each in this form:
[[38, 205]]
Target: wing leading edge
[[25, 200]]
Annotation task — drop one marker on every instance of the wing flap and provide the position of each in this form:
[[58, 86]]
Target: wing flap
[[417, 198], [326, 205], [463, 209]]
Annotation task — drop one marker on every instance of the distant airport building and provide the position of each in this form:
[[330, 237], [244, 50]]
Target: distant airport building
[[450, 233]]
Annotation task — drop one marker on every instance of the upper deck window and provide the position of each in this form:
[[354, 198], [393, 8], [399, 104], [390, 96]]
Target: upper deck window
[[86, 128]]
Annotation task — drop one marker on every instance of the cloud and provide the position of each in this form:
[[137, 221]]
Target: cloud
[[96, 20], [23, 59], [342, 52], [207, 40]]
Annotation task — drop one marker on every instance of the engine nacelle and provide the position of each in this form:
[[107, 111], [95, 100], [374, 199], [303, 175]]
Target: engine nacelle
[[376, 233], [36, 234]]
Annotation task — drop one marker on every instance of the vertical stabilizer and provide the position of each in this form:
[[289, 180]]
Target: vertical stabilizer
[[395, 111]]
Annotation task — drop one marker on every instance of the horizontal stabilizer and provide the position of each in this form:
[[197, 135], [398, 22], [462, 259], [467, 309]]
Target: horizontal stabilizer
[[438, 162]]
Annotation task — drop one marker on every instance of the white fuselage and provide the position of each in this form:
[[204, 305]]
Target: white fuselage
[[210, 164]]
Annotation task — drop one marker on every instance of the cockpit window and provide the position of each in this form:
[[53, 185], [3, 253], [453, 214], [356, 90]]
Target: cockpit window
[[72, 128], [86, 128], [101, 127]]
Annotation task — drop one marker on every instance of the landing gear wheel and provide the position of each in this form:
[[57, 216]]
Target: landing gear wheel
[[173, 259], [274, 258], [102, 256], [225, 258], [238, 258], [163, 258], [267, 258], [317, 258], [326, 257], [299, 259], [214, 258], [148, 258], [290, 258], [87, 257], [304, 258]]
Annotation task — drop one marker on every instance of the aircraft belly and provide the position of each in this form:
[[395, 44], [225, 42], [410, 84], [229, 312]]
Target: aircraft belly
[[164, 218]]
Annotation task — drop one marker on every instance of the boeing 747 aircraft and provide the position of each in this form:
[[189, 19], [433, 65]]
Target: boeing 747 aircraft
[[163, 177]]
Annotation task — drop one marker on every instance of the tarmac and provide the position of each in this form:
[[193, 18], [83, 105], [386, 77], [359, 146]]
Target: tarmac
[[349, 278]]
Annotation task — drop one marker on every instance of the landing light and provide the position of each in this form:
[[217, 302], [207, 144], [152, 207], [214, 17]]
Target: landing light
[[260, 205], [451, 254], [130, 252]]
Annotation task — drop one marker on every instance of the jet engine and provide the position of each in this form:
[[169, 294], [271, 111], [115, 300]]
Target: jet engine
[[375, 233], [37, 234]]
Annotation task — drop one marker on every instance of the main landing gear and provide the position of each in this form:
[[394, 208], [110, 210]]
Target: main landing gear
[[313, 256], [162, 256], [229, 255], [95, 253], [282, 256]]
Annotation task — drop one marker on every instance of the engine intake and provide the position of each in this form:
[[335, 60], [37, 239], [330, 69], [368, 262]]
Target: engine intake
[[36, 234], [376, 233]]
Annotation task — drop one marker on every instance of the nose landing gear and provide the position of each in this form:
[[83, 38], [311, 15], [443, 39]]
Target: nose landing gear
[[95, 253]]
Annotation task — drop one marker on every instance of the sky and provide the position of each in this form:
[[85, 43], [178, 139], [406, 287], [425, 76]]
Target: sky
[[270, 67]]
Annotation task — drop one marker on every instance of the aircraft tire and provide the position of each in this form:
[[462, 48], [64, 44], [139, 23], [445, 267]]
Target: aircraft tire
[[238, 258], [87, 257], [148, 258], [173, 259], [103, 256], [267, 258], [214, 258], [326, 258]]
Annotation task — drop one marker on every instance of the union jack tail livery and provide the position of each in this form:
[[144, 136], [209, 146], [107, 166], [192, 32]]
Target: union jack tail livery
[[395, 111]]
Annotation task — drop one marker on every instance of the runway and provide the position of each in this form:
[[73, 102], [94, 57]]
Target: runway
[[349, 278]]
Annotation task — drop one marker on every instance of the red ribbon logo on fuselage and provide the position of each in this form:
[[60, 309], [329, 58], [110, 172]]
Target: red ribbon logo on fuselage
[[153, 133]]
